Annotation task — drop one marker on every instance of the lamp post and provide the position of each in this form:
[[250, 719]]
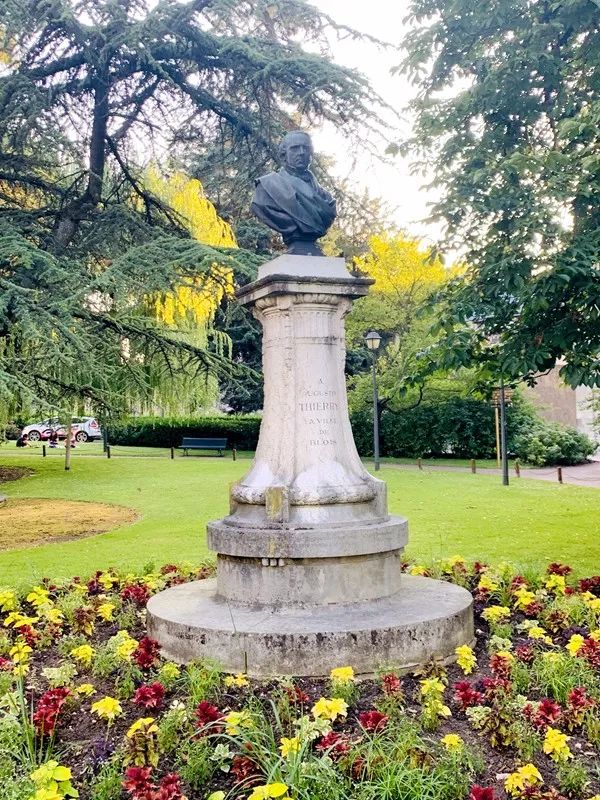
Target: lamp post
[[373, 340]]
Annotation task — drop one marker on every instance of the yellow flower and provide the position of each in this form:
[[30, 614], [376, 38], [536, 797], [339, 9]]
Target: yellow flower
[[455, 561], [555, 745], [556, 584], [145, 724], [8, 601], [84, 654], [551, 657], [106, 611], [575, 644], [236, 680], [18, 620], [537, 632], [452, 742], [506, 655], [486, 583], [53, 782], [417, 569], [107, 581], [236, 720], [595, 635], [20, 655], [288, 746], [85, 690], [38, 596], [268, 790], [523, 778], [432, 686], [523, 598], [495, 613], [108, 708], [329, 709], [53, 615], [127, 646], [465, 658], [169, 671], [342, 674]]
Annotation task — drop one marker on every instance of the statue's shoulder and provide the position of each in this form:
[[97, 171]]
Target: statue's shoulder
[[271, 179]]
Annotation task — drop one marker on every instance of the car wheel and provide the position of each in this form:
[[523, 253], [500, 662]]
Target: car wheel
[[81, 436], [34, 436]]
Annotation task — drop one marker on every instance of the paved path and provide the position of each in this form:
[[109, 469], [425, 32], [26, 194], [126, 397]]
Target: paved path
[[581, 475]]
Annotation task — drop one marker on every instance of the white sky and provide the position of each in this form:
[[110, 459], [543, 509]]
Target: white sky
[[384, 20]]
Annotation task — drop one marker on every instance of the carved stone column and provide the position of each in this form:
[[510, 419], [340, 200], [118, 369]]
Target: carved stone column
[[308, 567]]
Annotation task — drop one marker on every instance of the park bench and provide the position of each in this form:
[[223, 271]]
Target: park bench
[[190, 443]]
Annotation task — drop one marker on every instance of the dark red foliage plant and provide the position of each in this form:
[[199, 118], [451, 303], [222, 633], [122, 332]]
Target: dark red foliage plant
[[392, 685], [243, 768], [558, 569], [590, 650], [139, 785], [147, 653], [334, 744], [150, 695], [207, 714], [373, 721], [136, 593], [296, 695], [545, 714], [482, 793], [47, 709], [465, 696]]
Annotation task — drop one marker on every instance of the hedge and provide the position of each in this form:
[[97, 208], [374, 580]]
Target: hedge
[[240, 431], [458, 427]]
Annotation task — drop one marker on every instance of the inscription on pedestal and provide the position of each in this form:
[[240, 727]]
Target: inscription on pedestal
[[318, 409]]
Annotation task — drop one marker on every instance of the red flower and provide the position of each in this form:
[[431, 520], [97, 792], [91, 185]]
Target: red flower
[[481, 793], [547, 713], [525, 652], [479, 567], [31, 637], [5, 664], [373, 721], [206, 714], [336, 744], [168, 568], [150, 696], [147, 653], [558, 569], [577, 698], [170, 788], [296, 695], [533, 609], [243, 767], [391, 684], [47, 710], [590, 650], [500, 666], [590, 585], [465, 696], [137, 783], [136, 593]]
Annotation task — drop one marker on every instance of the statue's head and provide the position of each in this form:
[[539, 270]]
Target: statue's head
[[296, 151]]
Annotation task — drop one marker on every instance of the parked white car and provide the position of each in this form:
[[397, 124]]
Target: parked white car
[[85, 429]]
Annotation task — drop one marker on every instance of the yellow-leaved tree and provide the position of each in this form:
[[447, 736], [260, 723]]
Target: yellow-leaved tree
[[194, 303], [405, 276], [189, 309]]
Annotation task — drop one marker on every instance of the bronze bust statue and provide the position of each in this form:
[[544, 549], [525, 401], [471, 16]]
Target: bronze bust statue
[[291, 201]]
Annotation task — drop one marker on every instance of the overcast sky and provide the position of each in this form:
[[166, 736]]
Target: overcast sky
[[384, 20]]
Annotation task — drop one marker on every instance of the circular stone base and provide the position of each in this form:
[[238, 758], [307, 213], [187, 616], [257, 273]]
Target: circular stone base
[[425, 619]]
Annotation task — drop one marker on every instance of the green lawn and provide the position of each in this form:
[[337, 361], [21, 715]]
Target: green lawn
[[529, 522]]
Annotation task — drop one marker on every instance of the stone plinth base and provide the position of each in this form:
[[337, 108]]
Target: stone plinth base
[[425, 619]]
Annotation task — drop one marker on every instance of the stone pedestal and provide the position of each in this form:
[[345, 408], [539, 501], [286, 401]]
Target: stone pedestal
[[308, 568]]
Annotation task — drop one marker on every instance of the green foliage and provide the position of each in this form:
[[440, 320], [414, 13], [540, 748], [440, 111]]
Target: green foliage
[[507, 115], [547, 443], [572, 778], [240, 431], [108, 783], [202, 681], [556, 674], [460, 427], [194, 762]]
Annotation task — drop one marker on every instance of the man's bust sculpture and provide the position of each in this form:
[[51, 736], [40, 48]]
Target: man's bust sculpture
[[291, 201]]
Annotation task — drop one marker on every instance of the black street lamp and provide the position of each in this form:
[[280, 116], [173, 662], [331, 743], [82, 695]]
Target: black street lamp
[[373, 340]]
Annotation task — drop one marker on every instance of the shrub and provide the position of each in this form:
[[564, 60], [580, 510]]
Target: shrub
[[548, 443], [240, 431]]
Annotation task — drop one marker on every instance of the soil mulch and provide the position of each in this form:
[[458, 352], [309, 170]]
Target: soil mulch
[[27, 522], [14, 473]]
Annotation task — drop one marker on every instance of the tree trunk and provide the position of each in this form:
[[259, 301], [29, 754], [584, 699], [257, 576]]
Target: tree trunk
[[69, 429], [80, 208]]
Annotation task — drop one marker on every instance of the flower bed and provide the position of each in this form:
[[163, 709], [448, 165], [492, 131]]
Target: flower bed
[[88, 708]]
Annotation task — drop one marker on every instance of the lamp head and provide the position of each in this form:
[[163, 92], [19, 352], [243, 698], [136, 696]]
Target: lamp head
[[373, 340]]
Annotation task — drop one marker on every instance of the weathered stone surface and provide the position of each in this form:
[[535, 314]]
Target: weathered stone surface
[[308, 559], [425, 619]]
